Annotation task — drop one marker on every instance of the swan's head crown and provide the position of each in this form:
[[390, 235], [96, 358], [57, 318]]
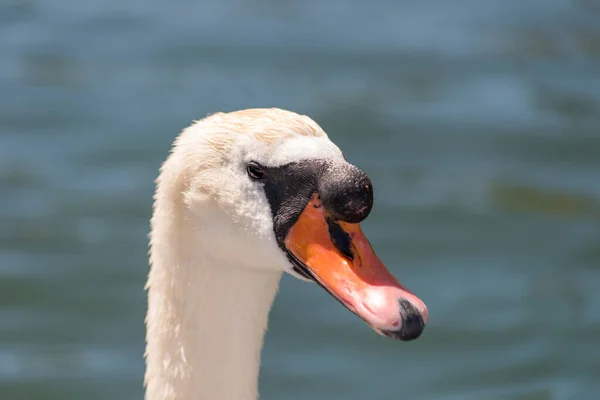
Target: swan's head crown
[[210, 162]]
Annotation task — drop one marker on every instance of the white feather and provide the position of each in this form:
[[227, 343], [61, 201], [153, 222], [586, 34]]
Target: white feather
[[215, 263]]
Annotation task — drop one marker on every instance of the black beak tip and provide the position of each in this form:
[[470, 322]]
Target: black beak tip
[[412, 323]]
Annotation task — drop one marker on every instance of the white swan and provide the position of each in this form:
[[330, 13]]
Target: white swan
[[243, 197]]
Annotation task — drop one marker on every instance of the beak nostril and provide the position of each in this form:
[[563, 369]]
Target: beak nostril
[[340, 238]]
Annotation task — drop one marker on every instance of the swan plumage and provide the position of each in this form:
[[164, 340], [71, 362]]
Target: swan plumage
[[222, 234]]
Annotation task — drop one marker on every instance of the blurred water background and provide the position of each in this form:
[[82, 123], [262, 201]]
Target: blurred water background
[[477, 120]]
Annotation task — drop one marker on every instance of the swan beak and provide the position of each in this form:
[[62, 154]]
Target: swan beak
[[338, 256]]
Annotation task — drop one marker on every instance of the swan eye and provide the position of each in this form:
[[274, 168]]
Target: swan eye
[[255, 171]]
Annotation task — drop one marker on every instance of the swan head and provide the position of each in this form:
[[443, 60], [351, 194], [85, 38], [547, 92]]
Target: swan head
[[266, 190]]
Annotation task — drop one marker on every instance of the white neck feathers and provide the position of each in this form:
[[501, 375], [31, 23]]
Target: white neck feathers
[[205, 322], [215, 263]]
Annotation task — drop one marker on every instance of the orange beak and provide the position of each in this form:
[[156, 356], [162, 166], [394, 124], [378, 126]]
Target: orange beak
[[338, 256]]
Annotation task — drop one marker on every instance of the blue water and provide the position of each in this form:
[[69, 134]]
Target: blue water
[[478, 122]]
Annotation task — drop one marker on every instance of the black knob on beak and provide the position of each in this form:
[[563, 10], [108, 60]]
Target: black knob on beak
[[346, 192]]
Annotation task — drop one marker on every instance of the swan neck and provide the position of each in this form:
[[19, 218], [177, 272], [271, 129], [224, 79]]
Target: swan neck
[[205, 324]]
